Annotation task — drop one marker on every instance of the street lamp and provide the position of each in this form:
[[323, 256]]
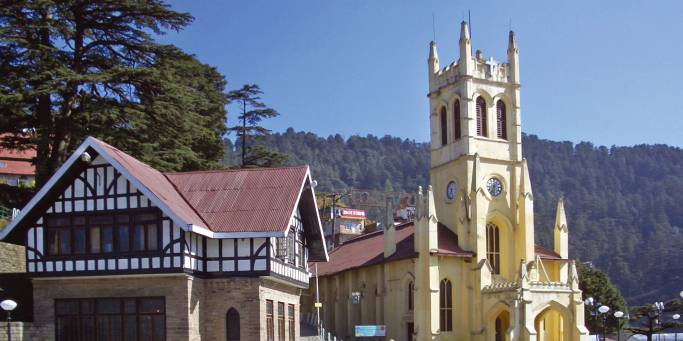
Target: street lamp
[[8, 306], [596, 310], [676, 317], [618, 315]]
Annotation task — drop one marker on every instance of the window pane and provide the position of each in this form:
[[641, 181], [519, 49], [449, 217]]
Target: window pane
[[158, 328], [139, 238], [65, 241], [108, 306], [95, 240], [79, 221], [107, 239], [58, 221], [130, 328], [145, 327], [53, 241], [152, 305], [123, 238], [66, 307], [100, 220], [87, 306], [88, 327], [79, 240], [116, 331], [152, 237], [146, 217], [129, 306]]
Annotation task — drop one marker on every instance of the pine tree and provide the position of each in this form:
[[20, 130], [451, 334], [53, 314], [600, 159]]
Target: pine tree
[[249, 132], [76, 68]]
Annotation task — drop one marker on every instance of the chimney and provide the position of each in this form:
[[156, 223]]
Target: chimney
[[389, 231]]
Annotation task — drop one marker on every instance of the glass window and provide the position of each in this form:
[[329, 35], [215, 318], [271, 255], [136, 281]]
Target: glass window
[[129, 319], [95, 239], [232, 325], [281, 321], [290, 319], [64, 241], [53, 241], [139, 238], [123, 238], [107, 239], [481, 117], [493, 247], [270, 325], [446, 306], [152, 237], [79, 240], [501, 120]]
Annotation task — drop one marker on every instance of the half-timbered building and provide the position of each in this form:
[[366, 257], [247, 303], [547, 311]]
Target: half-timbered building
[[118, 250]]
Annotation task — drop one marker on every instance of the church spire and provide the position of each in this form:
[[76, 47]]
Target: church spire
[[560, 231], [433, 58], [465, 63], [513, 58]]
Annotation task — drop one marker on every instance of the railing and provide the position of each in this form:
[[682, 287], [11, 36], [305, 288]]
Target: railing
[[323, 335]]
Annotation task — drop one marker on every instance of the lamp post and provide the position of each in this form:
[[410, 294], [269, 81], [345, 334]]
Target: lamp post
[[8, 306], [619, 315], [597, 310], [676, 317]]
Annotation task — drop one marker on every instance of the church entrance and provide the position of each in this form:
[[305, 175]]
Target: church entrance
[[501, 326], [551, 326]]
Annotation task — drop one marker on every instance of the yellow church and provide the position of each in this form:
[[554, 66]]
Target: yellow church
[[466, 267]]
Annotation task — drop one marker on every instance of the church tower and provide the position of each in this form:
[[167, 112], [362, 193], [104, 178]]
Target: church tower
[[480, 180]]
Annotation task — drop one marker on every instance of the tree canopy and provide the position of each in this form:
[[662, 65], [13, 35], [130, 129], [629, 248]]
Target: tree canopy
[[77, 68]]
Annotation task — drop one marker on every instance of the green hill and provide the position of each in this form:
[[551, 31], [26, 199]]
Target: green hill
[[623, 203]]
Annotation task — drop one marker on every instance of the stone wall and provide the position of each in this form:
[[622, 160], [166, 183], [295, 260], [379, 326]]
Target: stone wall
[[12, 258]]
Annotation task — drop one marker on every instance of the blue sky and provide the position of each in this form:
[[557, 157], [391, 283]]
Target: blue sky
[[601, 71]]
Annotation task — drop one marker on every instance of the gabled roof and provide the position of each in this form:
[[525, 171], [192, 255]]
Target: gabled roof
[[244, 200], [368, 249], [219, 204], [18, 162]]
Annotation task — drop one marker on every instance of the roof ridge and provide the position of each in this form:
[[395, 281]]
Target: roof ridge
[[229, 170]]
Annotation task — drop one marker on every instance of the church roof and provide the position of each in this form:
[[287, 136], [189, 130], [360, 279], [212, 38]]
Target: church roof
[[368, 249], [546, 253]]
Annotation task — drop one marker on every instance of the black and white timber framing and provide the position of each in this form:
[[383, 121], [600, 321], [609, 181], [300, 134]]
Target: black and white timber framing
[[70, 238]]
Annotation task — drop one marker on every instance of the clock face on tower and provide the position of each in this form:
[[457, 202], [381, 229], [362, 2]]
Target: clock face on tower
[[451, 189], [494, 187]]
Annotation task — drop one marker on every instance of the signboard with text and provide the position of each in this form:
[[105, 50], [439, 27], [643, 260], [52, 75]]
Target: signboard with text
[[352, 213], [371, 331]]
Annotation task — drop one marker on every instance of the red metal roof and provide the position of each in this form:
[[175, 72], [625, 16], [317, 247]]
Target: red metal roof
[[18, 162], [368, 249], [244, 200], [546, 253], [156, 182]]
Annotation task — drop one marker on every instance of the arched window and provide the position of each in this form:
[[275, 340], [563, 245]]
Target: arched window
[[481, 117], [411, 297], [457, 130], [444, 127], [501, 120], [445, 306], [232, 325], [493, 247]]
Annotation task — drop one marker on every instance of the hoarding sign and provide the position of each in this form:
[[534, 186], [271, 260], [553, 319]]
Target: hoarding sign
[[371, 331], [350, 212]]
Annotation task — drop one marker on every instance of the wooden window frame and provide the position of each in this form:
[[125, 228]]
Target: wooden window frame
[[270, 322], [291, 312], [82, 315], [114, 223], [281, 335]]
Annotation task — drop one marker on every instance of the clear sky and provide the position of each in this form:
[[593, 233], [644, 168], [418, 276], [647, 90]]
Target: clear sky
[[608, 72]]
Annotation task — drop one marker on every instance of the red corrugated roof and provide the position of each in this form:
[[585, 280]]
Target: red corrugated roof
[[546, 253], [156, 182], [368, 249], [244, 200], [17, 167]]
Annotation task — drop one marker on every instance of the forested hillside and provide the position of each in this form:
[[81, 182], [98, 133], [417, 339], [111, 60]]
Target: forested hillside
[[623, 203]]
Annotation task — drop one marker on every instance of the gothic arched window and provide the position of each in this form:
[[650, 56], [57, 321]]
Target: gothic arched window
[[444, 127], [493, 247], [411, 297], [232, 325], [457, 130], [501, 120], [481, 117], [445, 305]]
